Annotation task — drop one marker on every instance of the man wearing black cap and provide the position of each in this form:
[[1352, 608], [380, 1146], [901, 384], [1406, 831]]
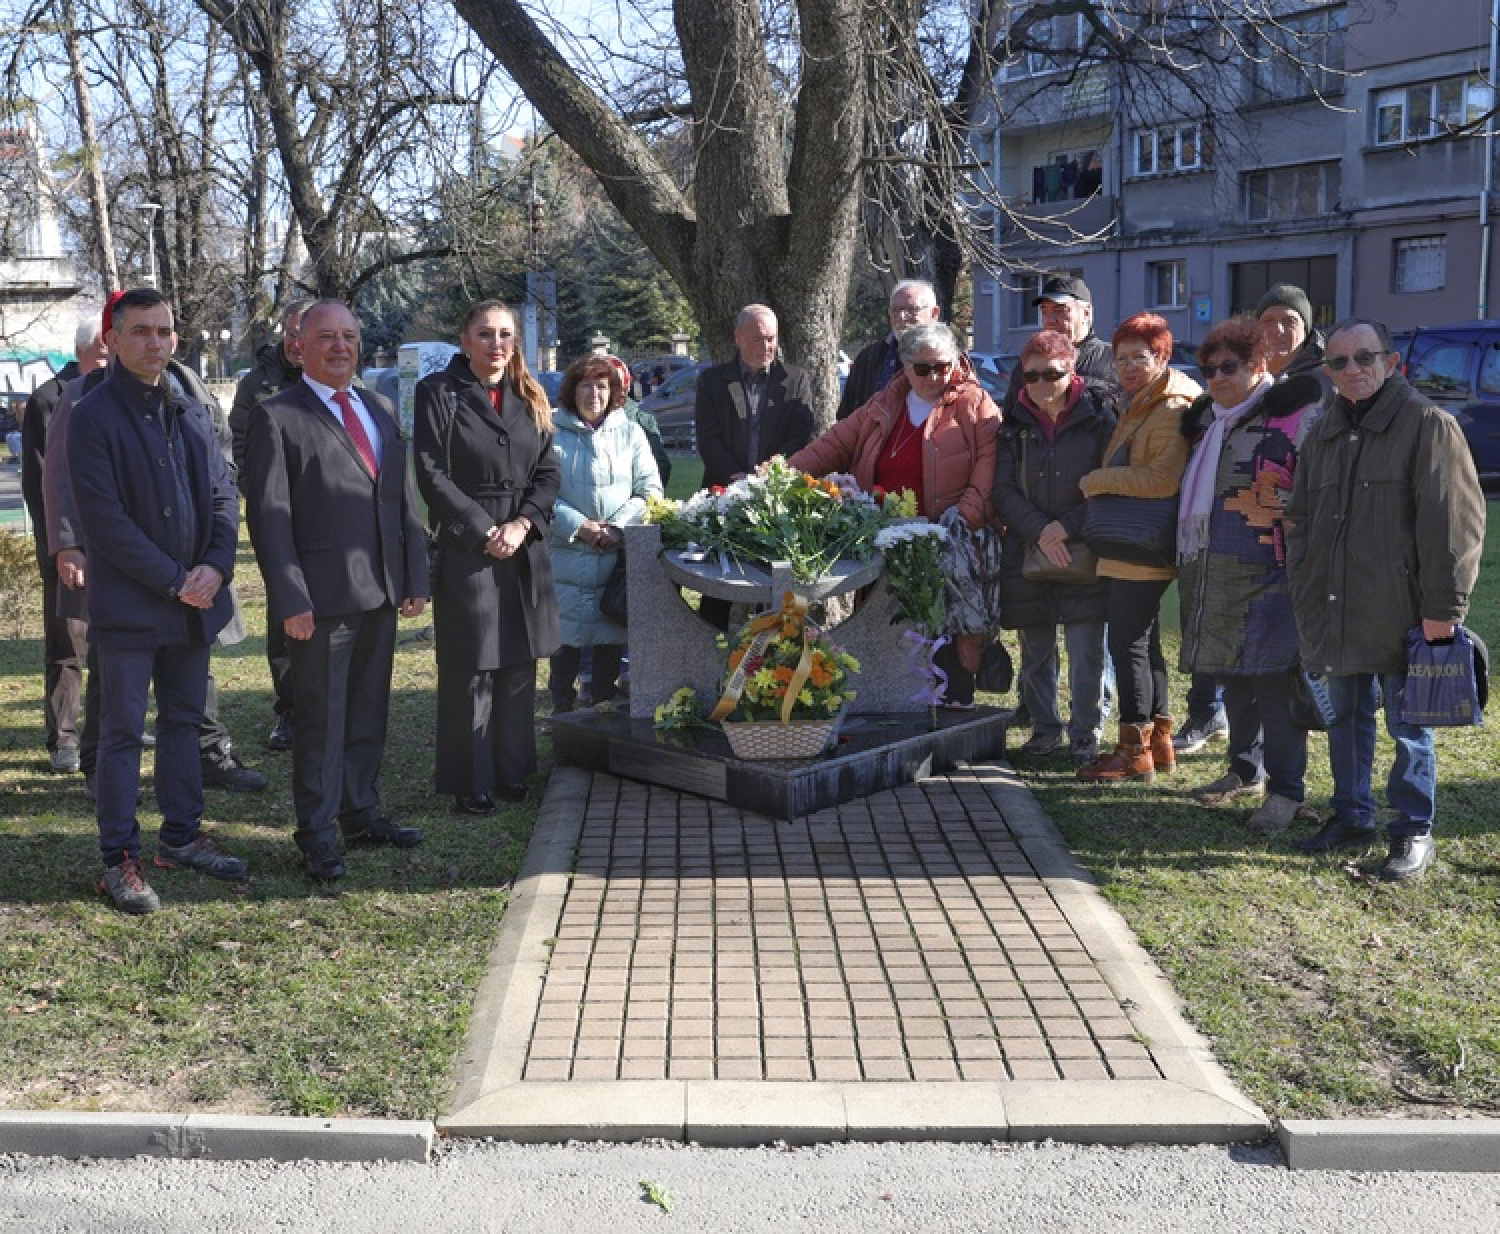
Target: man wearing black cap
[[1067, 306]]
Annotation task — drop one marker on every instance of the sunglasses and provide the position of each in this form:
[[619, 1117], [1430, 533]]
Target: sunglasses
[[1228, 367], [1365, 359], [941, 369], [1045, 374]]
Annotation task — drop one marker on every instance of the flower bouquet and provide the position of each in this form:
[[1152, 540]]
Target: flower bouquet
[[786, 688], [782, 514], [913, 557]]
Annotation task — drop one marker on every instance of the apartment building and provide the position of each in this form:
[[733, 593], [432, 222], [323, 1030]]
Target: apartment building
[[1340, 147]]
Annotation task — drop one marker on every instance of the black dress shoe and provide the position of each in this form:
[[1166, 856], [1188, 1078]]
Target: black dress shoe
[[280, 737], [511, 792], [382, 831], [226, 771], [1336, 833], [474, 805], [326, 867]]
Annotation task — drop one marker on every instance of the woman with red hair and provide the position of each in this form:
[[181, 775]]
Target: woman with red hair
[[1145, 458]]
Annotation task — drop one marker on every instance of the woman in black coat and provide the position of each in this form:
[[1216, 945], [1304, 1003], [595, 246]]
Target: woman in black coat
[[483, 444], [1055, 434]]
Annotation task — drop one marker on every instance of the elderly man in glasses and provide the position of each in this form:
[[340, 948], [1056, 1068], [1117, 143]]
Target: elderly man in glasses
[[1384, 532]]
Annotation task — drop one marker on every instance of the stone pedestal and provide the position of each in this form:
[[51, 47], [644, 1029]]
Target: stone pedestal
[[671, 646]]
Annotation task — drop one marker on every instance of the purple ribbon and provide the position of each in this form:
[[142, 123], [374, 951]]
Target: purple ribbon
[[923, 652]]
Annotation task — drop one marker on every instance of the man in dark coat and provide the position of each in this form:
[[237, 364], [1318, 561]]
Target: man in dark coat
[[277, 366], [747, 410], [64, 635], [1067, 306], [913, 303], [334, 519], [1384, 534], [160, 518]]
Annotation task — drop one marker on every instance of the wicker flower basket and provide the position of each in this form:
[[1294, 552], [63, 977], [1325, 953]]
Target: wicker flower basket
[[767, 739]]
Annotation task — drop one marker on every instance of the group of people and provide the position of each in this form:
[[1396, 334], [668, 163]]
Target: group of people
[[1317, 510], [1312, 508]]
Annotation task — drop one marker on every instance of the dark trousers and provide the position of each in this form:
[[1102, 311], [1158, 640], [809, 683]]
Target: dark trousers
[[1135, 648], [1263, 741], [486, 729], [1205, 698], [562, 678], [279, 657], [64, 648], [179, 676], [341, 680], [213, 738]]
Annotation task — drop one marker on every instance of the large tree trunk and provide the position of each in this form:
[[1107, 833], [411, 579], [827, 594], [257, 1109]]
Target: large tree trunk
[[763, 225]]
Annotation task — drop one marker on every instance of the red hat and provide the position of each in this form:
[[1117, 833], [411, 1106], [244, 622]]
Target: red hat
[[107, 318]]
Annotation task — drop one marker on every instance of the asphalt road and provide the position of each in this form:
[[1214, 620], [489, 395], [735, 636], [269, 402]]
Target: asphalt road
[[580, 1188]]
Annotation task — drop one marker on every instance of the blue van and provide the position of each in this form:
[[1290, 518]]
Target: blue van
[[1458, 367]]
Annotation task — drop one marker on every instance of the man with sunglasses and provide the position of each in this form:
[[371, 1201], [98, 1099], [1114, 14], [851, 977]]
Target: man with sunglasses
[[1384, 532]]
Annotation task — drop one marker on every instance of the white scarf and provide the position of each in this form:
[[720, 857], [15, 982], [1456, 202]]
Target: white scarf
[[1199, 482]]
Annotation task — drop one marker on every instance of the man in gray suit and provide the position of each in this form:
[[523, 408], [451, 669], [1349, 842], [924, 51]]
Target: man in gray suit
[[333, 516]]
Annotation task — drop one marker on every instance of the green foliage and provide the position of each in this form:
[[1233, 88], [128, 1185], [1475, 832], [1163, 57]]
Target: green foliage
[[20, 583]]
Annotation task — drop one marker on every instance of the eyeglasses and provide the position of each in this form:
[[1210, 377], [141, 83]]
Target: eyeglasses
[[1228, 367], [911, 310], [1045, 374], [1142, 361], [941, 369], [1365, 359]]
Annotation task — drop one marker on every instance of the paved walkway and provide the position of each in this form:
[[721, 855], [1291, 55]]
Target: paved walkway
[[927, 961]]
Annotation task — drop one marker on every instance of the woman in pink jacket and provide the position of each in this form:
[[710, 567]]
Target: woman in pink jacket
[[932, 429]]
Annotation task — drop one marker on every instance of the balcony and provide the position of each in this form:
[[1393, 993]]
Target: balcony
[[38, 275]]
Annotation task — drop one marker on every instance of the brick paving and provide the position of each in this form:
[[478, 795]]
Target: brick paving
[[902, 937]]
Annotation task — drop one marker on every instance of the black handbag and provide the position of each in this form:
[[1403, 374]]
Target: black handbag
[[614, 603], [1036, 567], [1139, 530]]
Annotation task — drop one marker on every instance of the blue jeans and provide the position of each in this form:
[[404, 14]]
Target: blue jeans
[[1411, 787], [1205, 699], [1039, 674]]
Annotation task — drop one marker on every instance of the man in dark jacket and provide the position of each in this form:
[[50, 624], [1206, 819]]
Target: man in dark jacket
[[1296, 348], [64, 635], [277, 366], [913, 303], [1067, 306], [160, 518], [1384, 534]]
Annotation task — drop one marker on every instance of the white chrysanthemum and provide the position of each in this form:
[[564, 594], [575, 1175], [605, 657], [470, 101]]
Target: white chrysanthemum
[[889, 537]]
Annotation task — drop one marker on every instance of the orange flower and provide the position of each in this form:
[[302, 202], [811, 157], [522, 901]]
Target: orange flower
[[830, 488], [820, 675], [782, 674]]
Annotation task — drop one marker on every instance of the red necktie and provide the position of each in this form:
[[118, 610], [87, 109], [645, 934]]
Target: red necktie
[[356, 431]]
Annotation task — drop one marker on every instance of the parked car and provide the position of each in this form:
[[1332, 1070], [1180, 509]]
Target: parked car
[[672, 404], [1458, 367], [993, 369]]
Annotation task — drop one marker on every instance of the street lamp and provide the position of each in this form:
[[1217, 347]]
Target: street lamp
[[151, 207]]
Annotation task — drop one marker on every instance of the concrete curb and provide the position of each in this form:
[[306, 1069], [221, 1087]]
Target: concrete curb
[[1195, 1103], [213, 1137], [1467, 1146]]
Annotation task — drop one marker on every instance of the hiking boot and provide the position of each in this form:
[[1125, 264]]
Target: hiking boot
[[1038, 745], [126, 885], [64, 760], [1227, 788], [223, 769], [1129, 760], [1277, 814], [1198, 733], [1409, 856], [1163, 755], [203, 855]]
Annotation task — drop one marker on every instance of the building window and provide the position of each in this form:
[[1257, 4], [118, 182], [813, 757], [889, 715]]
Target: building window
[[1318, 276], [1431, 109], [1421, 263], [1182, 147], [1166, 282], [1026, 313], [1301, 192], [1298, 57]]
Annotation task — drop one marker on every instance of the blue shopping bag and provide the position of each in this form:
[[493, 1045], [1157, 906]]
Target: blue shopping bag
[[1443, 680]]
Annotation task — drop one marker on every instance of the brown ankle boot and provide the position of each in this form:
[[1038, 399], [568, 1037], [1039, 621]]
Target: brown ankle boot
[[1129, 760], [1163, 754]]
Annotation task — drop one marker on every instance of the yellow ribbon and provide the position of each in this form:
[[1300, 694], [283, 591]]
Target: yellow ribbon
[[790, 622]]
